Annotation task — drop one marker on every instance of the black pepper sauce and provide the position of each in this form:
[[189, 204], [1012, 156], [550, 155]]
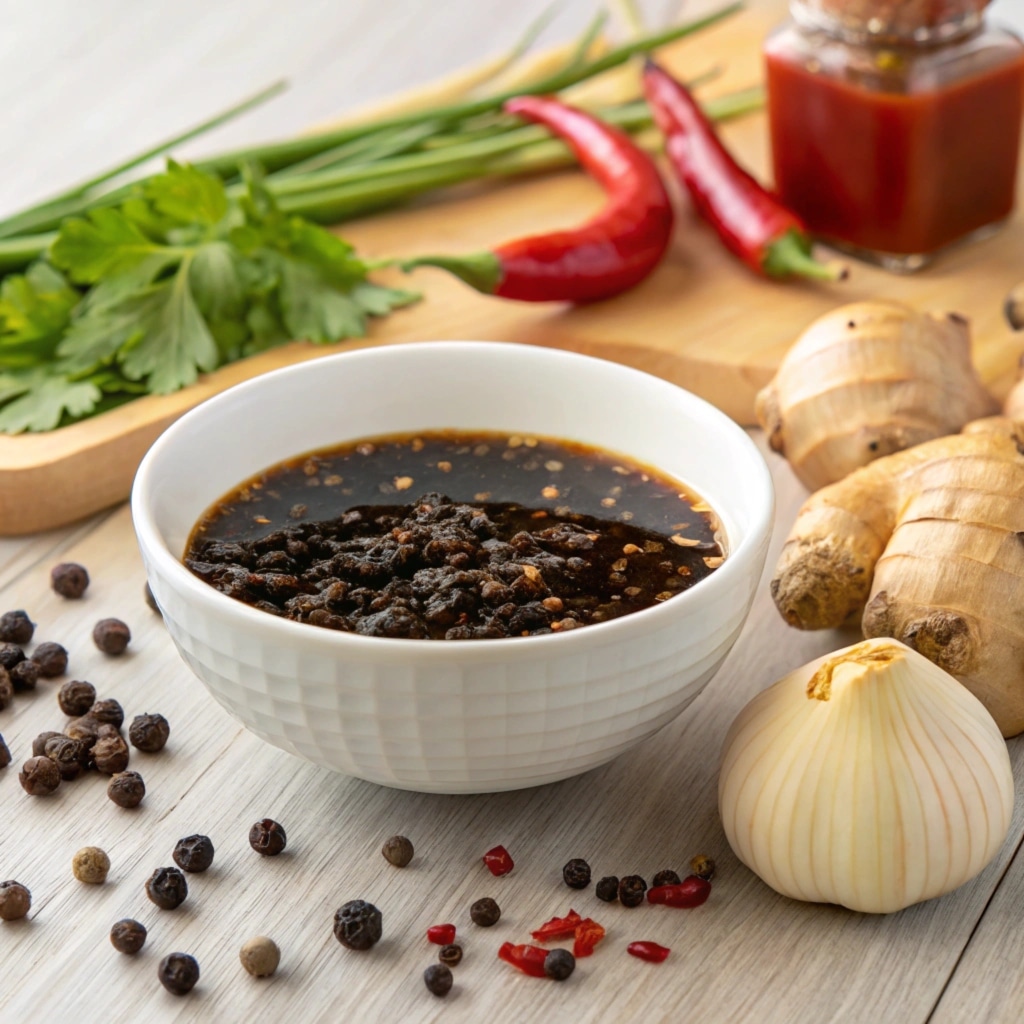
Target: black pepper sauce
[[455, 535]]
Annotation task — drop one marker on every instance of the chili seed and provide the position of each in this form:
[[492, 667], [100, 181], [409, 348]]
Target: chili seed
[[576, 873], [149, 733], [358, 924], [450, 955], [15, 901], [126, 789], [111, 636], [498, 860], [438, 979], [260, 956], [441, 934], [70, 756], [398, 851], [631, 891], [75, 697], [5, 754], [167, 888], [193, 853], [69, 579], [268, 838], [10, 655], [16, 627], [24, 676], [703, 867], [39, 743], [485, 912], [649, 951], [51, 658], [128, 936], [607, 889], [6, 689], [110, 752], [559, 964], [90, 865], [666, 877], [39, 776], [178, 973], [108, 711]]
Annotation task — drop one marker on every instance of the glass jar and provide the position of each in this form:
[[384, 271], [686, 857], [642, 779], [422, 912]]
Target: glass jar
[[895, 124]]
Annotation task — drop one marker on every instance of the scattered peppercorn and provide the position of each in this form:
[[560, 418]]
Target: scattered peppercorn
[[167, 888], [110, 752], [39, 776], [70, 756], [607, 889], [69, 579], [703, 867], [5, 754], [108, 711], [485, 912], [268, 838], [126, 789], [559, 964], [438, 979], [631, 891], [16, 627], [193, 853], [15, 901], [128, 936], [358, 924], [24, 676], [111, 636], [450, 955], [178, 973], [666, 877], [39, 743], [51, 658], [576, 874], [10, 655], [90, 865], [6, 689], [149, 733], [398, 851], [260, 956], [75, 697]]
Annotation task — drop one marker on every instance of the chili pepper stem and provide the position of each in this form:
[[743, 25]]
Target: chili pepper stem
[[480, 270], [790, 255]]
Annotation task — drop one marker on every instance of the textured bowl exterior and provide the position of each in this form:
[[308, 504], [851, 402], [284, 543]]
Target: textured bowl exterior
[[453, 716]]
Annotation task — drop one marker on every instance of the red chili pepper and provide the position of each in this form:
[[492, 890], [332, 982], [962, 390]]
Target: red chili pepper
[[442, 934], [692, 891], [529, 959], [751, 221], [612, 252], [558, 927], [650, 951], [498, 861], [588, 934]]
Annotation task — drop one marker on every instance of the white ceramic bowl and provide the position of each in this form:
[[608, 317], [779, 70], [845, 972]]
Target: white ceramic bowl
[[454, 716]]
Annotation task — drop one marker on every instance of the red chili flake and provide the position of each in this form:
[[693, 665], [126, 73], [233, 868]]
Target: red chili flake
[[442, 934], [498, 861], [558, 928], [529, 959], [690, 892], [650, 951], [588, 934]]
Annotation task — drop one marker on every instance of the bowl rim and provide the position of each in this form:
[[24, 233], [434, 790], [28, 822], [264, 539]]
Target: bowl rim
[[654, 618]]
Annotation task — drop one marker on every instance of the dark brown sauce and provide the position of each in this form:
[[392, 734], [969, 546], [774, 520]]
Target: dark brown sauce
[[455, 535]]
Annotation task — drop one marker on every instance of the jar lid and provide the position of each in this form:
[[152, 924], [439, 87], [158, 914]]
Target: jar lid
[[904, 19]]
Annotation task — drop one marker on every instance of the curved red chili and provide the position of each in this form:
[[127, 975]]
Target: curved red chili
[[529, 959], [610, 253], [692, 891], [751, 221]]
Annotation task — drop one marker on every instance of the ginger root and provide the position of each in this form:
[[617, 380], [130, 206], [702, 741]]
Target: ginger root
[[928, 546], [866, 380]]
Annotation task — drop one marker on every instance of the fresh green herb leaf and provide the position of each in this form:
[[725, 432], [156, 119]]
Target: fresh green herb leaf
[[35, 308], [187, 195], [48, 401], [215, 283]]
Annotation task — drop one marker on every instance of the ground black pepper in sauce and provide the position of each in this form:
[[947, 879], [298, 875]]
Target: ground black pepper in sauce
[[455, 535]]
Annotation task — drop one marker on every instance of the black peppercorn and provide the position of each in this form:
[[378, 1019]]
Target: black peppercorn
[[268, 838], [485, 912], [111, 636], [84, 728], [5, 754], [178, 973], [607, 889], [559, 964], [358, 924], [51, 658], [703, 867], [126, 789], [24, 676], [39, 776], [6, 689], [15, 901], [631, 891], [149, 733], [108, 711], [69, 579], [666, 877], [450, 955], [39, 743], [75, 697], [110, 752], [167, 888], [16, 627], [70, 756], [10, 655], [398, 851], [576, 874], [438, 979], [128, 936], [193, 853]]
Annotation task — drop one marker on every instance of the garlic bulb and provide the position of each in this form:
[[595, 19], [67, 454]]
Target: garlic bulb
[[869, 778]]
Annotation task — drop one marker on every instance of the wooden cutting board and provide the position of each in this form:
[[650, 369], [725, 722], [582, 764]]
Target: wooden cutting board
[[702, 320]]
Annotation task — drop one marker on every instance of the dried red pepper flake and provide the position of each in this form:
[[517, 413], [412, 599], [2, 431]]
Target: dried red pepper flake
[[558, 928], [498, 861], [588, 934], [649, 951], [528, 959], [690, 892], [442, 934]]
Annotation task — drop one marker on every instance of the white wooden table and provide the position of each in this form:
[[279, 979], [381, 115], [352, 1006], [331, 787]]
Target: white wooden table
[[86, 83]]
